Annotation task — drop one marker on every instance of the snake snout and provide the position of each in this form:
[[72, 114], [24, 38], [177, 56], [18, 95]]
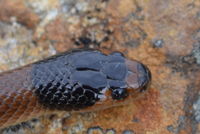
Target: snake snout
[[138, 77]]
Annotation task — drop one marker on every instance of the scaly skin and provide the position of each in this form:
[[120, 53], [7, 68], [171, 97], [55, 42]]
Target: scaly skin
[[77, 81]]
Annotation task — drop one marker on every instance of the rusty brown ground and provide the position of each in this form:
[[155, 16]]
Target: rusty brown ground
[[163, 34]]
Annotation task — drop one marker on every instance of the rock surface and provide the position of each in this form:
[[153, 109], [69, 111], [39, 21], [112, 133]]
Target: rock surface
[[164, 35]]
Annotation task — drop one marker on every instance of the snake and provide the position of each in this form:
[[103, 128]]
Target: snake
[[73, 81]]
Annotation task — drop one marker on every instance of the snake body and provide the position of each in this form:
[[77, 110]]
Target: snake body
[[82, 80]]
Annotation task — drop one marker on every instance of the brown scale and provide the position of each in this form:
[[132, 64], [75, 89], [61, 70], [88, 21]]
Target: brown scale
[[17, 102]]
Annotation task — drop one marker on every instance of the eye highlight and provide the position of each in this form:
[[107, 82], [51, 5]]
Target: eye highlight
[[119, 94]]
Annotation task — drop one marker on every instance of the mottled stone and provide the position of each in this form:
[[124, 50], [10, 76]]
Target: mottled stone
[[17, 9], [196, 107], [164, 35], [127, 132], [95, 130]]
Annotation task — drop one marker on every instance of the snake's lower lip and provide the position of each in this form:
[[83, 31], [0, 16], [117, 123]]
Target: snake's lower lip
[[139, 75]]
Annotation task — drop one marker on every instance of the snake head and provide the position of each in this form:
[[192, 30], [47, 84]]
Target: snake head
[[89, 80], [135, 82], [128, 78]]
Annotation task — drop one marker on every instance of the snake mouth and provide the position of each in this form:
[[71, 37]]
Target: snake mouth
[[139, 76]]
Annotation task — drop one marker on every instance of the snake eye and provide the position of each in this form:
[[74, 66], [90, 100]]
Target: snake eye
[[119, 93]]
